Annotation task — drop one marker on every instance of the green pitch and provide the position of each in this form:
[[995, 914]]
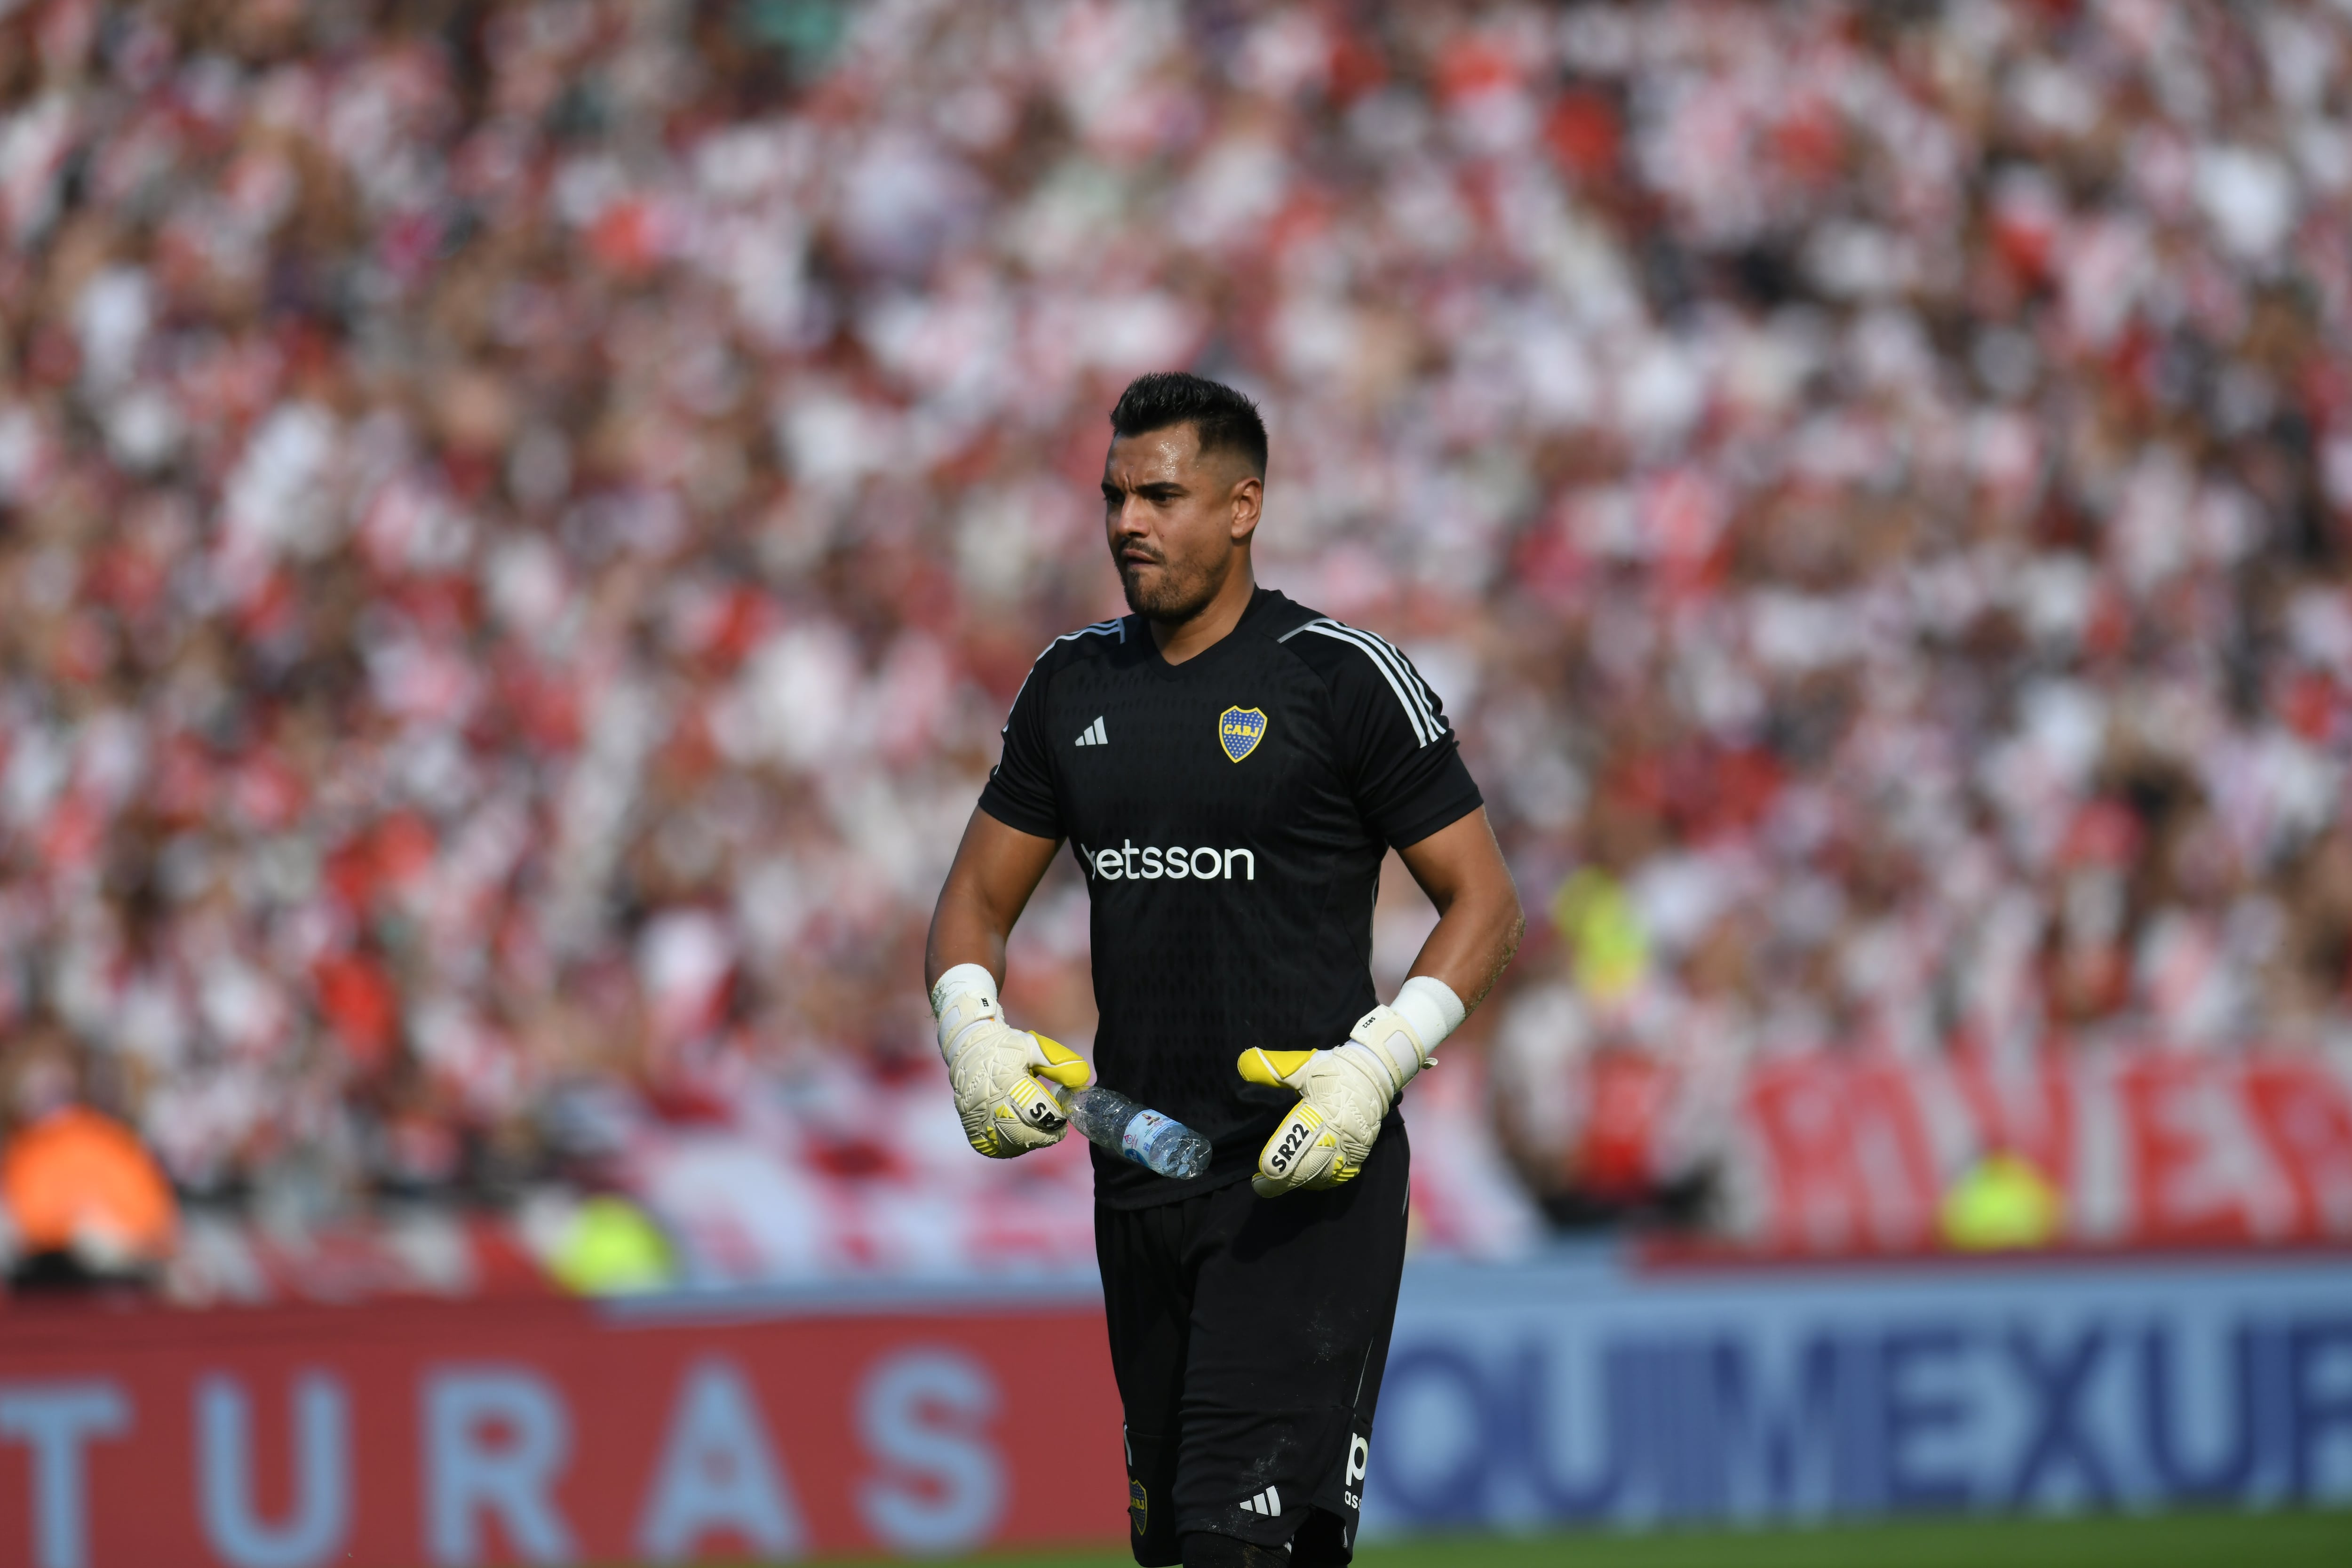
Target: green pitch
[[2170, 1541]]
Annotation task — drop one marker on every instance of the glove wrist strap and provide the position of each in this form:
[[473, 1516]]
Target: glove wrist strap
[[965, 995], [964, 978]]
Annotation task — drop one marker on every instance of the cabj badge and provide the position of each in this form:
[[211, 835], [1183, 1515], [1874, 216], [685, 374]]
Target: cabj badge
[[1138, 1503], [1239, 730]]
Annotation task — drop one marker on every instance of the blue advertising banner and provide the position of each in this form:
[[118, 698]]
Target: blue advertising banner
[[1585, 1391]]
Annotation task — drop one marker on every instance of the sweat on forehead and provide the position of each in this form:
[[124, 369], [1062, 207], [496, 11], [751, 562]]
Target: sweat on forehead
[[1168, 453]]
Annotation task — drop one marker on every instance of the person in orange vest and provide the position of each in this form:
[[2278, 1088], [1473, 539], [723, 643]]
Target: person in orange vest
[[82, 1200]]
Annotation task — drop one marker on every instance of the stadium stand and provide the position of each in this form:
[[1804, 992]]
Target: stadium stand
[[519, 523]]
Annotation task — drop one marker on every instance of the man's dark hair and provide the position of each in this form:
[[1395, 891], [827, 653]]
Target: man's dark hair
[[1225, 420]]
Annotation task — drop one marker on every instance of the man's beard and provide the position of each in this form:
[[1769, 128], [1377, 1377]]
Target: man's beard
[[1178, 594]]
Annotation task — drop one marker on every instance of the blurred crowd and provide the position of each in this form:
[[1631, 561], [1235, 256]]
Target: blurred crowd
[[519, 522]]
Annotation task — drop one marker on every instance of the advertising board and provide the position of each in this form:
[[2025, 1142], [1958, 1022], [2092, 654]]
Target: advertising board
[[400, 1434], [1586, 1390]]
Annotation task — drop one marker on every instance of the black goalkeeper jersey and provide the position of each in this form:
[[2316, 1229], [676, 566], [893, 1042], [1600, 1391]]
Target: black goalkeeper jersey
[[1230, 813]]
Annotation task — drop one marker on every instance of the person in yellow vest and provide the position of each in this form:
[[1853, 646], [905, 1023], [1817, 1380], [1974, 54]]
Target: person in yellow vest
[[609, 1247], [2003, 1203]]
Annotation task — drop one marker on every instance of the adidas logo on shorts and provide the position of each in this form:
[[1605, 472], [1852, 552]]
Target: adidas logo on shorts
[[1267, 1502]]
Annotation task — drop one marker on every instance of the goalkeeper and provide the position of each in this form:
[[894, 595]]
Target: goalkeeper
[[1229, 769]]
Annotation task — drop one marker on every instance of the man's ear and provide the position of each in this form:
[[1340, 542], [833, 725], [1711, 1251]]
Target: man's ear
[[1248, 498]]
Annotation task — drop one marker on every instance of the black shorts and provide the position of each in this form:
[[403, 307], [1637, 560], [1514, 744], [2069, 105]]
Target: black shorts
[[1248, 1335]]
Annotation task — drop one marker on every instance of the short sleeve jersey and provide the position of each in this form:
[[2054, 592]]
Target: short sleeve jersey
[[1230, 813]]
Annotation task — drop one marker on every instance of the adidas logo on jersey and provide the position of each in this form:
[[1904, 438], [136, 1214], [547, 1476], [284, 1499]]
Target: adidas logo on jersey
[[1095, 735], [1267, 1502]]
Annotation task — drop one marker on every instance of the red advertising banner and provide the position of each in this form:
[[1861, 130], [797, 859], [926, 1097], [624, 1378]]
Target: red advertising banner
[[1856, 1153], [520, 1431]]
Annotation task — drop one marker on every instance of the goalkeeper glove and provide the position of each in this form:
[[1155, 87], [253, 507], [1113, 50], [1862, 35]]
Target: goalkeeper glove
[[994, 1068], [1346, 1091]]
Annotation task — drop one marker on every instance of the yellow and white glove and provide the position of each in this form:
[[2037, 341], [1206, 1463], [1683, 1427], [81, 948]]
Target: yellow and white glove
[[1346, 1091], [995, 1068]]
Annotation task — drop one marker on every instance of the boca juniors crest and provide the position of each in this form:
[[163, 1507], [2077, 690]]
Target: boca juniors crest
[[1239, 730]]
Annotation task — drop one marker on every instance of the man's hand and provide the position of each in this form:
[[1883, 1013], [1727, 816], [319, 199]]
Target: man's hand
[[1345, 1092], [994, 1068]]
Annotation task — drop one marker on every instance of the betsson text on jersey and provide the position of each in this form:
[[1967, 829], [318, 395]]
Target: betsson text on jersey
[[1150, 864]]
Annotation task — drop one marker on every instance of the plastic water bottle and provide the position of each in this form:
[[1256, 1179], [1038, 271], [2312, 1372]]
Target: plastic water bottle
[[1116, 1125]]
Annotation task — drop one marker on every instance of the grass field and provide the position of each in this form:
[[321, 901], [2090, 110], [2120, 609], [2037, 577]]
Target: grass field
[[2173, 1541]]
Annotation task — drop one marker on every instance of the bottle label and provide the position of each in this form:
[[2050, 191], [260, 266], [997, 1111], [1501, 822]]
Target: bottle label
[[1142, 1132]]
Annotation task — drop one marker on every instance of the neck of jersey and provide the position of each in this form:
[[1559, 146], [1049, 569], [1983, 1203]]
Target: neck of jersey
[[1180, 641]]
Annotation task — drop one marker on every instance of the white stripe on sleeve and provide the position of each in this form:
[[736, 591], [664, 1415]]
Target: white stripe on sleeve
[[1426, 725], [1100, 628]]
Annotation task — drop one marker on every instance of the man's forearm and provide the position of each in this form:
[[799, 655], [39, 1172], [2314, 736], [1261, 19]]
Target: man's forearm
[[996, 868], [1474, 939], [963, 934], [1461, 868]]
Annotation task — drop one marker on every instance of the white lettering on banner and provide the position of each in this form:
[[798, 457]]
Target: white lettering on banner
[[964, 1499], [719, 1473], [320, 1516], [1151, 863], [1859, 1148], [496, 1438], [57, 1421], [1637, 1402]]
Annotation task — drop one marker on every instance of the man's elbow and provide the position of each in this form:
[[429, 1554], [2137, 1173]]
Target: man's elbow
[[1501, 895], [1506, 920]]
